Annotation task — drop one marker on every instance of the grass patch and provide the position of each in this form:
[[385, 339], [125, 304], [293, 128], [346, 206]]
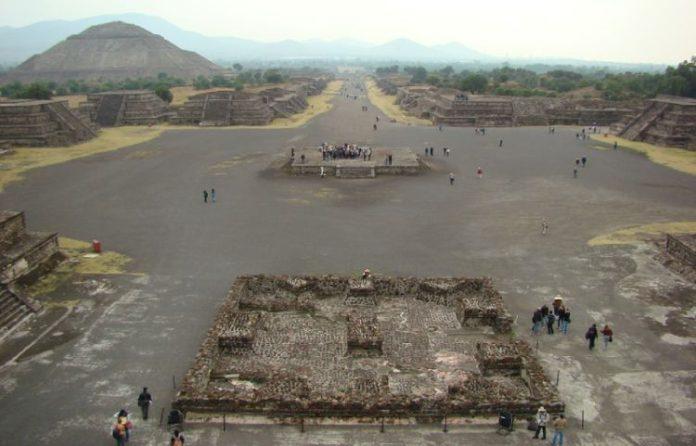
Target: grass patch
[[677, 159], [637, 234], [386, 103], [81, 261], [13, 166]]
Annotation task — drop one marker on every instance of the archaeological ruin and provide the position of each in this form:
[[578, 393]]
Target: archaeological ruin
[[665, 121], [456, 108], [42, 123], [128, 107], [363, 348], [23, 256], [680, 255], [227, 107], [355, 161]]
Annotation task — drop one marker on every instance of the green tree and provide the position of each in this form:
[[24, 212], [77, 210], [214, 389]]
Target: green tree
[[237, 66], [273, 76], [36, 90], [164, 93], [475, 83], [201, 82]]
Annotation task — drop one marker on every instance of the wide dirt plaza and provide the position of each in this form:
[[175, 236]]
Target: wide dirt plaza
[[144, 326]]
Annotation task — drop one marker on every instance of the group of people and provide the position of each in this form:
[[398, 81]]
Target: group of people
[[579, 162], [593, 333], [559, 424], [558, 315], [210, 195], [121, 430], [430, 151], [345, 151]]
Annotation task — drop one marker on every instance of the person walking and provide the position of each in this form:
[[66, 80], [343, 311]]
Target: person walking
[[541, 418], [607, 336], [144, 402], [479, 172], [550, 320], [178, 438], [591, 335], [575, 172], [205, 196], [212, 195], [565, 320], [544, 227], [616, 145], [537, 318], [584, 161], [559, 425], [500, 143], [451, 178]]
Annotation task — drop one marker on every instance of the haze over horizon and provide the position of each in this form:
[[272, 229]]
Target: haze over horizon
[[639, 31]]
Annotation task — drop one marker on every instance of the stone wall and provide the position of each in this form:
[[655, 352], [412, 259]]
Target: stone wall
[[41, 123], [683, 248], [336, 346], [116, 108]]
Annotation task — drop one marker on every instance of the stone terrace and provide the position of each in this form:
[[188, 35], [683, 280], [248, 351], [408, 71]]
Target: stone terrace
[[333, 346], [41, 123], [114, 108], [404, 162]]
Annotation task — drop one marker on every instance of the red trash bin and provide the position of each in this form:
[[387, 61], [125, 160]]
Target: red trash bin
[[96, 246]]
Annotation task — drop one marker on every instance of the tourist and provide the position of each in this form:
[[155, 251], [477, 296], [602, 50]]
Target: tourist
[[292, 152], [544, 226], [212, 193], [302, 158], [584, 161], [616, 145], [178, 439], [557, 305], [500, 143], [541, 418], [451, 178], [366, 274], [577, 162], [205, 196], [322, 174], [144, 402], [591, 335], [391, 159], [447, 152], [432, 151], [121, 430], [536, 321], [607, 336], [483, 131], [479, 172], [544, 313], [565, 320], [374, 126], [550, 319], [427, 151], [444, 151], [559, 425], [575, 172]]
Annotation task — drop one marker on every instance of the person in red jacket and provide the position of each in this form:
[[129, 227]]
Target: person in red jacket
[[607, 336]]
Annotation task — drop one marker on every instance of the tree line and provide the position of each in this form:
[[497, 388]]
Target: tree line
[[508, 81]]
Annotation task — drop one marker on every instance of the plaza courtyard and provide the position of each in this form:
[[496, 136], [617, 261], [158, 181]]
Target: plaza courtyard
[[143, 326]]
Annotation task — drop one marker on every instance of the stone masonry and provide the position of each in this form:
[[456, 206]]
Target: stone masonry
[[335, 346], [42, 123], [128, 107], [665, 121]]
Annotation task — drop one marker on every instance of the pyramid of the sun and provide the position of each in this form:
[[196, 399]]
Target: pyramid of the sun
[[112, 51]]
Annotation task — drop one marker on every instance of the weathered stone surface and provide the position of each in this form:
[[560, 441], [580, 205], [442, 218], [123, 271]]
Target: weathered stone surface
[[298, 346]]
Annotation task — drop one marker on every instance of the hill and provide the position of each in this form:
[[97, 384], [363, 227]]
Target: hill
[[112, 51]]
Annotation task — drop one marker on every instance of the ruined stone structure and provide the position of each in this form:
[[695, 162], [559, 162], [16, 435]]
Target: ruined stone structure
[[680, 255], [128, 107], [665, 121], [227, 107], [391, 84], [23, 254], [221, 108], [456, 108], [331, 346], [41, 123], [404, 162]]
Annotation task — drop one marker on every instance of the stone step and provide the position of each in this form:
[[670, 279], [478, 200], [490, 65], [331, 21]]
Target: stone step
[[26, 254], [12, 227], [12, 310]]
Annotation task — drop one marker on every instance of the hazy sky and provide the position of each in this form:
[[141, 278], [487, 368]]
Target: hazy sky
[[616, 30]]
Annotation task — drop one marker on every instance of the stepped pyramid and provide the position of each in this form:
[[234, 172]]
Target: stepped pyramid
[[112, 51]]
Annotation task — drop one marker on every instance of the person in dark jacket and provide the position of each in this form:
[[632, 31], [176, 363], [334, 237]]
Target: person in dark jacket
[[592, 335], [550, 319], [537, 317], [144, 402]]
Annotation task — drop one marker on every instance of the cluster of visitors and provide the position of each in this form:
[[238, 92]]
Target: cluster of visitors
[[593, 333], [558, 314], [345, 151], [121, 430], [479, 131], [578, 163], [210, 195], [559, 425]]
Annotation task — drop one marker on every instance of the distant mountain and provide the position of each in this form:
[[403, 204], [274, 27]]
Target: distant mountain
[[18, 44], [113, 51]]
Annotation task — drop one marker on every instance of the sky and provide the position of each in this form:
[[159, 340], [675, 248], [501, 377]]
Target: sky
[[652, 31]]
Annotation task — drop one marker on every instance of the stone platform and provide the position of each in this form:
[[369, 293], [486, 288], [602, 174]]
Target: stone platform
[[404, 162], [340, 347]]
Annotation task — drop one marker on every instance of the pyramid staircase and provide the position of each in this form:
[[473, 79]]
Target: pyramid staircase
[[23, 254], [110, 110], [637, 127]]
